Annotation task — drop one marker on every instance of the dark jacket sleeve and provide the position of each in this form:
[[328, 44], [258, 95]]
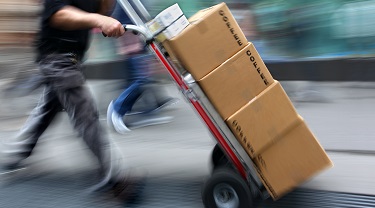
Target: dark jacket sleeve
[[52, 6]]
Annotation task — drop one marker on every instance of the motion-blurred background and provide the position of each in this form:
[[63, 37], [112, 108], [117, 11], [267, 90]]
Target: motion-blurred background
[[286, 28], [322, 51]]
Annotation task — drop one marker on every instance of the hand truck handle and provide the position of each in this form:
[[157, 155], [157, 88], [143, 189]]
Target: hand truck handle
[[139, 30]]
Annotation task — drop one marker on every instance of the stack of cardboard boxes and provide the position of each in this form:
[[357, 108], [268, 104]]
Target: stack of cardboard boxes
[[214, 50]]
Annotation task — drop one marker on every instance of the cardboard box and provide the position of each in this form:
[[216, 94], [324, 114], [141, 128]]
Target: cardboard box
[[291, 161], [173, 30], [212, 37], [264, 119], [165, 18], [237, 81]]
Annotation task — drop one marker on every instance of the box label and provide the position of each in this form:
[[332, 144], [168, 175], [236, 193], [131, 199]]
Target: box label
[[242, 137], [231, 29], [257, 68]]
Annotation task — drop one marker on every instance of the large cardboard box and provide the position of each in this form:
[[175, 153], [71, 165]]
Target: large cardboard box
[[212, 37], [291, 160], [264, 119], [235, 82], [172, 30]]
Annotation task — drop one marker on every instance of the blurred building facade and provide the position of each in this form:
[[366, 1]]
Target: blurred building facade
[[298, 29], [281, 28], [317, 28], [19, 21]]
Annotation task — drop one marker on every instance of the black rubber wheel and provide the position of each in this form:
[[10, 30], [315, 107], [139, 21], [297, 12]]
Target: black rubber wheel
[[226, 189], [219, 159]]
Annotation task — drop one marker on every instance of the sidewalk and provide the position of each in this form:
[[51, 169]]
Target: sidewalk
[[181, 149]]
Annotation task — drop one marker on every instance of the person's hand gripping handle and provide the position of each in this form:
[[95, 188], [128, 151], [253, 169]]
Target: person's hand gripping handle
[[111, 27]]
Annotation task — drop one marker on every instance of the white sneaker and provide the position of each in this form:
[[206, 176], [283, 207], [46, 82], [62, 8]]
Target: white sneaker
[[118, 123], [109, 115], [149, 121], [161, 106]]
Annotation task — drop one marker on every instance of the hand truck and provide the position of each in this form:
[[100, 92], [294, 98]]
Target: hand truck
[[234, 181]]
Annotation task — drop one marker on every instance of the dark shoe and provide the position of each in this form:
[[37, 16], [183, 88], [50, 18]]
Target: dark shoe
[[125, 187], [129, 188], [11, 168], [12, 158]]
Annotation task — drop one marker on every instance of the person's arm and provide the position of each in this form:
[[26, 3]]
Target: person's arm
[[72, 18]]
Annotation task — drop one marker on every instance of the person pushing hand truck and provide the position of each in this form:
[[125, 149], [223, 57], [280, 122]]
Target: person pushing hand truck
[[62, 42]]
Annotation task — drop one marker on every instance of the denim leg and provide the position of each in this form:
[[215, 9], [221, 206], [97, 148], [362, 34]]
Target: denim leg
[[138, 79], [84, 115], [65, 77], [126, 100], [38, 121]]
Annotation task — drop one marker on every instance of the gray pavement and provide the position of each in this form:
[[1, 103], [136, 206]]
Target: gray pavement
[[180, 151]]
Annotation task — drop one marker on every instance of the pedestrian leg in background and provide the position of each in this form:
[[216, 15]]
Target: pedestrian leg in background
[[156, 99], [155, 96], [139, 81]]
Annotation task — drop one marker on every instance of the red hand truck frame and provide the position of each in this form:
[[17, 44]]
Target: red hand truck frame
[[234, 181]]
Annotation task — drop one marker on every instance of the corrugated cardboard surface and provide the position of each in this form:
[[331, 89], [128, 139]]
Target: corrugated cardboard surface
[[292, 160], [212, 37], [238, 80], [174, 29], [264, 119]]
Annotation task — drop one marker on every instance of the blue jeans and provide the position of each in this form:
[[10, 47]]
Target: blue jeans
[[138, 78]]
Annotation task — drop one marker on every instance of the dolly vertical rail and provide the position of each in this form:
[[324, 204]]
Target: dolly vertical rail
[[214, 130]]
